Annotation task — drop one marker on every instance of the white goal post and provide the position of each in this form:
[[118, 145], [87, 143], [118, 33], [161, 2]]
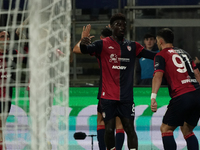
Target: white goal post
[[48, 32]]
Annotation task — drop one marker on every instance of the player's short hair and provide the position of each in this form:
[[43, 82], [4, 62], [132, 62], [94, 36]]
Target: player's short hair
[[105, 32], [166, 34], [149, 35], [118, 16]]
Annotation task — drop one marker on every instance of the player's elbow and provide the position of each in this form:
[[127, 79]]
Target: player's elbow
[[76, 50]]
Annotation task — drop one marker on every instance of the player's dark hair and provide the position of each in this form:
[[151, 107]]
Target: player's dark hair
[[105, 32], [149, 35], [118, 16], [166, 34]]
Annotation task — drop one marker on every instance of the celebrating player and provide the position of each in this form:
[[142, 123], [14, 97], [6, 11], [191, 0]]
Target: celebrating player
[[183, 79], [106, 32], [116, 58]]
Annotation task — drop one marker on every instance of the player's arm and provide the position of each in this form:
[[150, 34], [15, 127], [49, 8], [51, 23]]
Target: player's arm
[[159, 66], [197, 74], [21, 28], [142, 52], [148, 54], [87, 47], [156, 83], [85, 33]]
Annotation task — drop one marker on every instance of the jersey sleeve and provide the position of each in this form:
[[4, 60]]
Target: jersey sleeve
[[159, 64], [194, 65], [94, 48], [139, 48]]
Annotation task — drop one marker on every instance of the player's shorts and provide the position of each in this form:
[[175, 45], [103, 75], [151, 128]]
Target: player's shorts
[[113, 108], [99, 107], [5, 106], [184, 108]]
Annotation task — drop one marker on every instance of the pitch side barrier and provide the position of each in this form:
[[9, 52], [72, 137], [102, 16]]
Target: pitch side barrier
[[82, 111]]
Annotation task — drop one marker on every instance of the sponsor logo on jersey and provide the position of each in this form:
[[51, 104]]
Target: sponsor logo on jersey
[[188, 81], [110, 47], [119, 67], [129, 48], [113, 58], [124, 59]]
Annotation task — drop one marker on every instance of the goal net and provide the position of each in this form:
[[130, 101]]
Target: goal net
[[40, 32]]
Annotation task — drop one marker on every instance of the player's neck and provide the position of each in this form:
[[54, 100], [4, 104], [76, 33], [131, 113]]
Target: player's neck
[[118, 38], [168, 45]]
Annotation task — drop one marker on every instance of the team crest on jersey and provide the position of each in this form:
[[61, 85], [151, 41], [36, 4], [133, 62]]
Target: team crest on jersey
[[129, 48]]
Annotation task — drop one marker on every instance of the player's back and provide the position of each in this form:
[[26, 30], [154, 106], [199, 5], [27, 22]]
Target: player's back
[[179, 71]]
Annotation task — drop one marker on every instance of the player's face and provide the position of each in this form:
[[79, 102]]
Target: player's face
[[3, 37], [119, 28], [149, 42]]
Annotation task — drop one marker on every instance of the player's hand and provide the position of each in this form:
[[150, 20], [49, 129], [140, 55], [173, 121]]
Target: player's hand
[[153, 105], [86, 31], [59, 53], [86, 41], [196, 60], [108, 26]]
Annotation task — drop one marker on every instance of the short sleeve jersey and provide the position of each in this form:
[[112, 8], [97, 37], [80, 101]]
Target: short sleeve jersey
[[116, 62], [177, 66]]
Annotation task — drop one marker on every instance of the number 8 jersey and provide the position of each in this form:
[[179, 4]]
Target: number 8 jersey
[[177, 66]]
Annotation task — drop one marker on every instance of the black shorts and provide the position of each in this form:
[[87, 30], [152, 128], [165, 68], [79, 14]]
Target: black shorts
[[184, 108], [113, 108], [5, 107], [99, 107]]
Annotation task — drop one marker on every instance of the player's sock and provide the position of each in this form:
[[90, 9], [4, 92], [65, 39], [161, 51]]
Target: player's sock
[[192, 142], [119, 139], [100, 137], [168, 141]]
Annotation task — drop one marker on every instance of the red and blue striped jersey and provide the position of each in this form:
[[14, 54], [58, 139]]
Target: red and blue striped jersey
[[116, 62], [177, 66]]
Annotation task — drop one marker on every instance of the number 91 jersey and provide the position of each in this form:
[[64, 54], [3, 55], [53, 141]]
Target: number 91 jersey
[[177, 66]]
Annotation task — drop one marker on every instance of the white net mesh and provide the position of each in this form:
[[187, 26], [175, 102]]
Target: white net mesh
[[40, 32]]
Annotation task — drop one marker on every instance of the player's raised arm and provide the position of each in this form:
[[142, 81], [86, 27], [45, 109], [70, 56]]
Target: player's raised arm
[[21, 28], [85, 33]]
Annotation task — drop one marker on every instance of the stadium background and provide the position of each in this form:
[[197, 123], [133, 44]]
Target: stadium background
[[143, 16]]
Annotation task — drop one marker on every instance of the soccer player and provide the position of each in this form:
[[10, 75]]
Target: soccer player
[[7, 76], [116, 58], [183, 79], [119, 138]]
